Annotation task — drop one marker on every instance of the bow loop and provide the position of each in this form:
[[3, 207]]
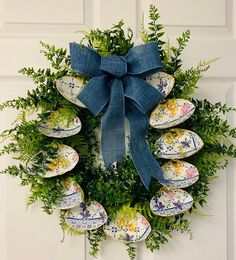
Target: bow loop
[[85, 60], [143, 95], [144, 60], [115, 65]]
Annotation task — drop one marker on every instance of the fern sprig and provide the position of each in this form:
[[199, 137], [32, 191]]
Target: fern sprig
[[175, 61]]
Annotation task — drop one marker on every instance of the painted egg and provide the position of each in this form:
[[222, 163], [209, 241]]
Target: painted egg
[[178, 143], [170, 202], [64, 161], [86, 216], [162, 81], [73, 195], [128, 229], [171, 112], [69, 88], [61, 128], [180, 174]]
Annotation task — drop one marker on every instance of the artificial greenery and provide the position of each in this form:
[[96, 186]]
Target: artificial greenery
[[113, 41], [155, 32], [131, 250], [119, 189]]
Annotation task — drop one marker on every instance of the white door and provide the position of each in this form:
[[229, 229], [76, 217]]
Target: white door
[[31, 234]]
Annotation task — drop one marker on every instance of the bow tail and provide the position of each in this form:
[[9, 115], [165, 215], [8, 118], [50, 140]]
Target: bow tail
[[112, 126], [144, 162]]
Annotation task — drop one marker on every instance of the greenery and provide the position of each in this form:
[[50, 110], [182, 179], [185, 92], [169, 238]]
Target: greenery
[[131, 250], [122, 183], [113, 41], [155, 32]]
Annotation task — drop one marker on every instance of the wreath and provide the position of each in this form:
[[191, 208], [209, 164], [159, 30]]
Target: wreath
[[132, 104]]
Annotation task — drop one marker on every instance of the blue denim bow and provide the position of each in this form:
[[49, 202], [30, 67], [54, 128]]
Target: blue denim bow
[[117, 87]]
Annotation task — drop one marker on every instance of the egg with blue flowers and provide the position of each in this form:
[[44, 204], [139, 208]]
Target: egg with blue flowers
[[128, 229], [179, 174], [171, 112], [170, 202], [177, 144], [86, 216]]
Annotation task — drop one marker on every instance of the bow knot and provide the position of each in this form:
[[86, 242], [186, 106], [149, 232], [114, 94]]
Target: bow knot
[[131, 97], [115, 65]]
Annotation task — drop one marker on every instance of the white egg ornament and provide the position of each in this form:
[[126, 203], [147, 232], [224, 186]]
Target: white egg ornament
[[73, 195], [171, 112], [61, 128], [86, 216], [162, 81], [179, 174], [128, 230], [69, 88], [178, 143], [170, 202], [65, 160]]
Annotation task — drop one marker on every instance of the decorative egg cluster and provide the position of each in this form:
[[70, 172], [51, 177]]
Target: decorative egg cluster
[[80, 215], [174, 144]]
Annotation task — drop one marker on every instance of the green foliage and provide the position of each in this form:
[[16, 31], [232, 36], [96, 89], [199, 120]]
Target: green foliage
[[155, 32], [162, 229], [44, 95], [48, 191], [26, 140], [95, 237], [62, 116], [170, 55], [174, 62], [14, 171], [65, 228], [186, 81], [131, 250], [57, 57], [213, 127], [111, 41]]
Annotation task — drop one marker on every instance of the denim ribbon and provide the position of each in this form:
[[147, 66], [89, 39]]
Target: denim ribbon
[[118, 89]]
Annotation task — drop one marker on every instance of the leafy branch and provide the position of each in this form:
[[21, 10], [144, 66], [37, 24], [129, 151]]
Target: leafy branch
[[155, 32], [112, 41], [172, 58], [95, 237], [186, 81]]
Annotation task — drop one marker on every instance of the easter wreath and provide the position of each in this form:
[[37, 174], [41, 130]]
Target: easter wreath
[[114, 80]]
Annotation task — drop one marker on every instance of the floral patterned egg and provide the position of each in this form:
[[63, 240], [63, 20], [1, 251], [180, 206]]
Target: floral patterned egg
[[162, 81], [73, 195], [70, 87], [180, 174], [61, 128], [65, 161], [170, 202], [86, 216], [128, 229], [178, 143], [171, 112]]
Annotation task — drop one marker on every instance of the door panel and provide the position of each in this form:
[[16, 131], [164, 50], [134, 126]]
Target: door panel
[[33, 234]]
